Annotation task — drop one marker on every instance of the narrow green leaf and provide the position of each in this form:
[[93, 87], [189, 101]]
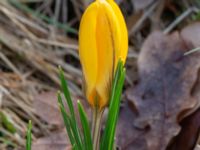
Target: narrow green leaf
[[76, 135], [28, 138], [86, 128], [66, 92], [71, 130], [76, 131], [107, 141], [115, 109], [65, 119]]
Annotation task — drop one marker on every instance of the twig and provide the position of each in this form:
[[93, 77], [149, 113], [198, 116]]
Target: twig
[[192, 51], [11, 65], [26, 108], [12, 137], [65, 11], [76, 8], [57, 10], [155, 18], [21, 26], [55, 43], [146, 14], [30, 23], [179, 19]]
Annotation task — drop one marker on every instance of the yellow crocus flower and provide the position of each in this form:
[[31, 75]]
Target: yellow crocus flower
[[103, 40]]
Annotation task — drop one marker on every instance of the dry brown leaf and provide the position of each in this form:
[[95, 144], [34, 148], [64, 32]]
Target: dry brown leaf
[[187, 138], [191, 35], [163, 94], [191, 125], [55, 141], [128, 137]]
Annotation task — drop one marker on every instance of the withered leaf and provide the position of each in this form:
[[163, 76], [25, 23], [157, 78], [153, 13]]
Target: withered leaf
[[128, 136], [191, 35], [163, 95], [187, 138], [190, 125]]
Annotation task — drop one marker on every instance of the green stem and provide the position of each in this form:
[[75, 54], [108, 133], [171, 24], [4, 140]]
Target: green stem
[[96, 127]]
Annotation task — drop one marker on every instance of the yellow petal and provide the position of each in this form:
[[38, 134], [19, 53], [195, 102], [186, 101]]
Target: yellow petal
[[123, 31], [107, 38], [88, 49]]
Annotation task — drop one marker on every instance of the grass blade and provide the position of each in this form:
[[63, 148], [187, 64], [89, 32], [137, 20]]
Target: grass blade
[[86, 129], [66, 92], [28, 134], [66, 120], [76, 135], [73, 121], [109, 132]]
